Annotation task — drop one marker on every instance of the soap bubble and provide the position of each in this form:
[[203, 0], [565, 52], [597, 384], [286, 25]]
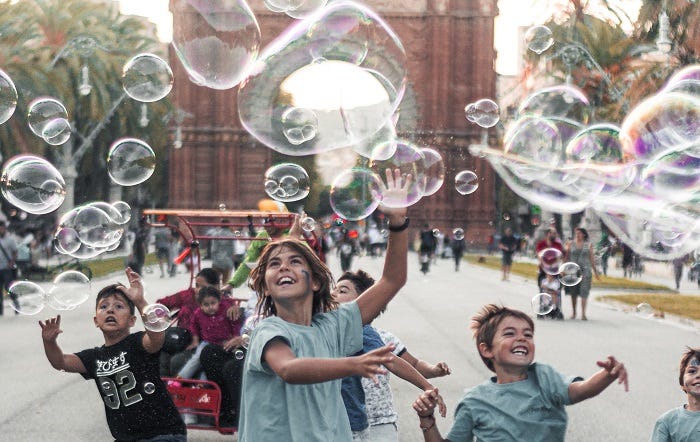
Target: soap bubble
[[542, 304], [299, 125], [644, 310], [562, 102], [570, 274], [124, 210], [434, 170], [410, 160], [304, 8], [56, 131], [550, 260], [239, 354], [66, 240], [466, 182], [538, 39], [287, 182], [130, 161], [458, 233], [156, 317], [147, 78], [95, 228], [32, 184], [42, 111], [28, 298], [70, 288], [308, 224], [219, 43], [8, 97], [355, 193], [484, 112]]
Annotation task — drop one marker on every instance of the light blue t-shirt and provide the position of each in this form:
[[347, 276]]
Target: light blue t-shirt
[[677, 425], [273, 410], [528, 410]]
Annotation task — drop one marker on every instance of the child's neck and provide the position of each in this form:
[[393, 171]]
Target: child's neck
[[115, 337], [693, 403], [295, 312], [508, 375]]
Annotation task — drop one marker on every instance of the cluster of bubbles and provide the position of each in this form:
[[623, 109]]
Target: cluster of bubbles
[[483, 112], [551, 261], [68, 290], [48, 118], [640, 178], [287, 182], [91, 229]]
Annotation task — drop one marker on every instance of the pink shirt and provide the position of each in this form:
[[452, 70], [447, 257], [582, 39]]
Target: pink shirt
[[186, 302], [218, 328]]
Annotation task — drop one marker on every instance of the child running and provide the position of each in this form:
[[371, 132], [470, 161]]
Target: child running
[[125, 368], [683, 423], [297, 355], [525, 400]]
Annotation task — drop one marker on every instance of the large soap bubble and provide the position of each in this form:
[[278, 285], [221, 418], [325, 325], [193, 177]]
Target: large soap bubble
[[32, 184], [27, 297], [409, 159], [219, 42], [563, 102], [130, 161], [287, 182], [8, 97], [344, 66], [147, 78], [95, 227], [70, 288], [355, 193]]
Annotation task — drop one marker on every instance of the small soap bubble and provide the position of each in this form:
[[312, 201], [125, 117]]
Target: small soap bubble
[[466, 182], [149, 388], [239, 354], [222, 207], [300, 125], [644, 310], [70, 288], [355, 194], [308, 224], [130, 161], [245, 340], [27, 298], [436, 233], [542, 303], [550, 260], [156, 317], [538, 39], [8, 97], [56, 131], [147, 78], [570, 274], [458, 233], [486, 113], [287, 182]]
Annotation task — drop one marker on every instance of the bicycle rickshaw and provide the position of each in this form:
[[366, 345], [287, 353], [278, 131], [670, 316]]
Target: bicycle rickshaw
[[194, 396]]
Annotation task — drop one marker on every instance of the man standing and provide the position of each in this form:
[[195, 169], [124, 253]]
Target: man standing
[[508, 246], [8, 256]]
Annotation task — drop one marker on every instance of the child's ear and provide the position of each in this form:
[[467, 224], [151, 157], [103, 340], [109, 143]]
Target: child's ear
[[485, 351], [132, 321], [94, 319]]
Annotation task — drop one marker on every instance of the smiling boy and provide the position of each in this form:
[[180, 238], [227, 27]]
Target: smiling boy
[[683, 423], [525, 400], [125, 368]]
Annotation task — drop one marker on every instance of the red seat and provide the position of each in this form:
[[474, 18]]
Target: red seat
[[201, 398]]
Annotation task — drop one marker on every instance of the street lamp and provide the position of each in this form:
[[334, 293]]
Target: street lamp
[[84, 46]]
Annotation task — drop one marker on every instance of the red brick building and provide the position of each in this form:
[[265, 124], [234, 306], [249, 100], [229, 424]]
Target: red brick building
[[449, 45]]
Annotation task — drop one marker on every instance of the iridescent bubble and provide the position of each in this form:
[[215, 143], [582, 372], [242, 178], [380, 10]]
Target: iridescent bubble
[[156, 317], [537, 142], [8, 97], [147, 78], [311, 68], [644, 310], [300, 125], [486, 113], [70, 288], [675, 177], [130, 161], [685, 80], [41, 111], [355, 193], [565, 102], [538, 39], [32, 184], [466, 182], [434, 170], [56, 131], [550, 260], [409, 159], [570, 274], [660, 124], [28, 298], [287, 182], [542, 304], [95, 228], [66, 240], [308, 224], [219, 43], [124, 210]]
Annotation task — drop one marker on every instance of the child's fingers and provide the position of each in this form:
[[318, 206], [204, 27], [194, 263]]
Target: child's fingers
[[442, 408]]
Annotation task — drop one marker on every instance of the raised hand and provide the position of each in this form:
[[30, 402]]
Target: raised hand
[[615, 369], [50, 329], [370, 364], [393, 192], [135, 290]]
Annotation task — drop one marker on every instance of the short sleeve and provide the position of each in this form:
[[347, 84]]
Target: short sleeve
[[554, 385], [87, 357], [390, 338], [265, 332], [463, 426]]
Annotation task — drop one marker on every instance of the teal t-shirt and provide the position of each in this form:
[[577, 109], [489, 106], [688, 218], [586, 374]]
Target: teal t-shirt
[[677, 425], [273, 410], [529, 410]]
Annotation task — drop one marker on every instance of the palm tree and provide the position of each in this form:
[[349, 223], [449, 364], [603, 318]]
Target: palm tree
[[47, 47]]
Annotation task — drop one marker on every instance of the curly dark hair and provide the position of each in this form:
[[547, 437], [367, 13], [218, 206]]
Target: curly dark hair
[[322, 301]]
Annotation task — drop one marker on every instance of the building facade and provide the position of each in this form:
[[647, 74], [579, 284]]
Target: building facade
[[451, 56]]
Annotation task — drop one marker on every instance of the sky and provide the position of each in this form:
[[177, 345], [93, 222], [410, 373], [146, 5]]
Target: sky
[[513, 14]]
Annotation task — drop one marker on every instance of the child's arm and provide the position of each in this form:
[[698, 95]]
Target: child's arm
[[374, 299], [152, 341], [405, 371], [50, 329], [611, 369], [293, 370], [426, 369], [425, 408]]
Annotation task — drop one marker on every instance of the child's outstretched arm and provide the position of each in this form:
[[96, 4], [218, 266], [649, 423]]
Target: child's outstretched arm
[[611, 369], [405, 371], [50, 329], [374, 299], [152, 340], [425, 408], [293, 370], [427, 369]]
